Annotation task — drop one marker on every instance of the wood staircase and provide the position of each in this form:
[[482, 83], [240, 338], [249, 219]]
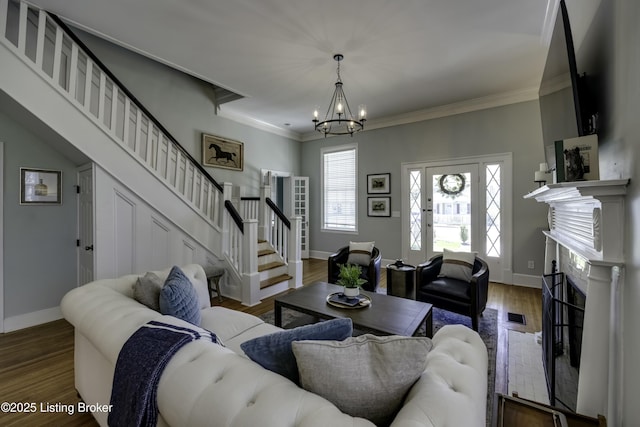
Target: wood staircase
[[271, 267]]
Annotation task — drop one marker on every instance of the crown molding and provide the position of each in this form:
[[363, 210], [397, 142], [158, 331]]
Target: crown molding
[[258, 124], [476, 104]]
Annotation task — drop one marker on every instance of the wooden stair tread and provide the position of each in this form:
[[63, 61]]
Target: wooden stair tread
[[274, 280], [266, 252], [269, 266]]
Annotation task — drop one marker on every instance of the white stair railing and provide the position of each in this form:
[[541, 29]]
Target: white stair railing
[[43, 42], [249, 207]]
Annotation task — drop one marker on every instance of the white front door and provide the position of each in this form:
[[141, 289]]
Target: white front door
[[86, 248], [460, 205], [451, 201], [443, 213]]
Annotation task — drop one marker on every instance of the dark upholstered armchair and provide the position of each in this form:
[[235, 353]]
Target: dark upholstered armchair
[[370, 273], [459, 296]]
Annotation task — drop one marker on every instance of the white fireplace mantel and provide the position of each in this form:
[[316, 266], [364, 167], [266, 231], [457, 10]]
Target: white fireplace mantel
[[587, 217], [586, 221]]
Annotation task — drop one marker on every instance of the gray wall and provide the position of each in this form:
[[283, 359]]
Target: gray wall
[[39, 241], [184, 106], [513, 128]]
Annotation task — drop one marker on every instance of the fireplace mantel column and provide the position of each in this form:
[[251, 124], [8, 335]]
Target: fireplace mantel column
[[614, 413], [598, 347], [550, 254]]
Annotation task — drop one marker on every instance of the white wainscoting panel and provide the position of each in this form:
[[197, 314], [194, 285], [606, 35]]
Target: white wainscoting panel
[[124, 233], [160, 238], [133, 237]]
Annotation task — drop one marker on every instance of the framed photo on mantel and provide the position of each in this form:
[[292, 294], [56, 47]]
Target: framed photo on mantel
[[577, 159]]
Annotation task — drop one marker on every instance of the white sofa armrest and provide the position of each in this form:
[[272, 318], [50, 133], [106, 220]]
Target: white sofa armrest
[[453, 389]]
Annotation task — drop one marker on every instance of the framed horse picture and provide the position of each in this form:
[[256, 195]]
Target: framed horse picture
[[222, 152]]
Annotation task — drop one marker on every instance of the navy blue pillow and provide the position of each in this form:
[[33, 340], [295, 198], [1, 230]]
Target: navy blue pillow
[[274, 352], [178, 297]]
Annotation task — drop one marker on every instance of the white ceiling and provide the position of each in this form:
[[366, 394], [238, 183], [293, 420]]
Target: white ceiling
[[400, 56]]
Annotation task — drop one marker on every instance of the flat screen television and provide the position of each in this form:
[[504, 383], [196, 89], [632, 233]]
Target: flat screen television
[[567, 109]]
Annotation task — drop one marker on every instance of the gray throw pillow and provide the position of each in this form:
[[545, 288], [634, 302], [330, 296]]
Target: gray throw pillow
[[179, 298], [366, 376], [147, 289], [457, 265], [273, 351], [360, 253]]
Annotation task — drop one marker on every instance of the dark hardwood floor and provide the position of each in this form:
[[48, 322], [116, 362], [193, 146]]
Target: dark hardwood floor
[[36, 364]]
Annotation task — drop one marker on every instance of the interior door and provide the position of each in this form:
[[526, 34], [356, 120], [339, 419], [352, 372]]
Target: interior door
[[85, 226], [301, 209], [296, 192]]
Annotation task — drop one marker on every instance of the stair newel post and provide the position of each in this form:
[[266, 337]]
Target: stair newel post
[[227, 189], [263, 213], [250, 276], [295, 252]]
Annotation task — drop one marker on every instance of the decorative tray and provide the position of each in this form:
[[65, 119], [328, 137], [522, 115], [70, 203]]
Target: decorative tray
[[338, 299]]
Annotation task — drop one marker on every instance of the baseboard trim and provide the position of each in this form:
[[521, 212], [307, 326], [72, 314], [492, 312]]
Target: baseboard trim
[[35, 318], [527, 280]]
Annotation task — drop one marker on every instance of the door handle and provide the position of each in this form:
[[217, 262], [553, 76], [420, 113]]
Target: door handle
[[88, 248]]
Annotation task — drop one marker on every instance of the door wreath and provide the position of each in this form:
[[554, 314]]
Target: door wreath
[[451, 184]]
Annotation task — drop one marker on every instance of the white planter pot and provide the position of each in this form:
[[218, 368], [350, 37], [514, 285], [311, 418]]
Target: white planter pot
[[351, 292]]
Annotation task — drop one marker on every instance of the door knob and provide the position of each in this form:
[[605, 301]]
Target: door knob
[[88, 248]]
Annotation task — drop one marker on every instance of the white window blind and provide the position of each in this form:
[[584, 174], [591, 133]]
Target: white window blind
[[339, 190]]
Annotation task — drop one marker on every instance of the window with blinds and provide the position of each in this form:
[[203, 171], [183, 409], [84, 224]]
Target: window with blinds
[[339, 189]]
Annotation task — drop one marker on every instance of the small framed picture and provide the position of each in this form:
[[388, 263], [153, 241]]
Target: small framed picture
[[378, 206], [40, 187], [379, 183], [222, 152]]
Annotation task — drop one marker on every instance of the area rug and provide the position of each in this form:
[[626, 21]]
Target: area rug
[[487, 328]]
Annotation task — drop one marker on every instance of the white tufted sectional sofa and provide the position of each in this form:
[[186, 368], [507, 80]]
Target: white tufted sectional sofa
[[206, 384]]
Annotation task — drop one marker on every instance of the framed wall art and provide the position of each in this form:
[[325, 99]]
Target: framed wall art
[[222, 152], [378, 206], [379, 183], [40, 187]]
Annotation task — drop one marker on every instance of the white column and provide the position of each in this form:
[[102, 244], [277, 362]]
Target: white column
[[614, 414], [295, 252], [263, 217], [226, 195], [250, 277], [593, 378], [550, 254]]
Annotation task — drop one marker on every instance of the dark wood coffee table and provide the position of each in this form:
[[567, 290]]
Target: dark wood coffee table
[[387, 315]]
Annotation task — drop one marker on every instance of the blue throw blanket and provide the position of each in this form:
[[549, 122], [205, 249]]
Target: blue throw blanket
[[138, 369]]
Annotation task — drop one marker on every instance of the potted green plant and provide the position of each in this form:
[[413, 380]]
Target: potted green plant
[[349, 278]]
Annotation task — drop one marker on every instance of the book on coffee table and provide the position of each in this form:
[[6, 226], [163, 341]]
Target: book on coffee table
[[340, 298]]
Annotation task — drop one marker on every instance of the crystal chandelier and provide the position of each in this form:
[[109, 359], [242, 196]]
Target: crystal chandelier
[[339, 120]]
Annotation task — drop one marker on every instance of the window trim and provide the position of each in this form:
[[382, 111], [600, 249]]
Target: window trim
[[328, 150]]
